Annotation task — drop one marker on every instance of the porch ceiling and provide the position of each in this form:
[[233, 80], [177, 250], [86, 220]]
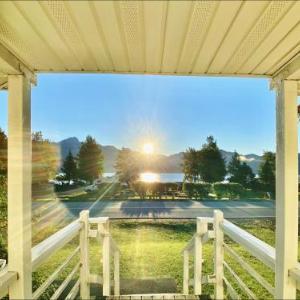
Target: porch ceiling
[[253, 38]]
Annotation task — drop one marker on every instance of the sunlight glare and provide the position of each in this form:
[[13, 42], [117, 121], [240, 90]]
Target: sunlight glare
[[148, 177], [148, 148]]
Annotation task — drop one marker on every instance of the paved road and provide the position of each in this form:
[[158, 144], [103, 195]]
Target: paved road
[[156, 209]]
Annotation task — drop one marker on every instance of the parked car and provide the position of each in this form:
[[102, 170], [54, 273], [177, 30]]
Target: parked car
[[91, 188]]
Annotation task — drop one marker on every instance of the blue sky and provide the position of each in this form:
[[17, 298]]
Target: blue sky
[[173, 112]]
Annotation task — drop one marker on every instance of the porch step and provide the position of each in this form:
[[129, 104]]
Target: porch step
[[155, 297]]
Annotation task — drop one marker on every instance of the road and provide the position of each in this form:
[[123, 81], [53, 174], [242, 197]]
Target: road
[[157, 209]]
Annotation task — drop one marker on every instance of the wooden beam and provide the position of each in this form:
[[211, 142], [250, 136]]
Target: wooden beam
[[16, 67], [286, 189], [19, 186]]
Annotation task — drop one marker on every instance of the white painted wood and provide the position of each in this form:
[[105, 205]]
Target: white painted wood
[[250, 270], [286, 188], [240, 282], [186, 272], [106, 259], [295, 273], [190, 245], [19, 185], [54, 275], [65, 283], [231, 291], [201, 231], [84, 255], [55, 242], [98, 220], [117, 273], [74, 291], [261, 250], [218, 255], [6, 279]]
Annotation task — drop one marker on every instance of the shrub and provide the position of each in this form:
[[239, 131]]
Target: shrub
[[197, 190], [228, 190]]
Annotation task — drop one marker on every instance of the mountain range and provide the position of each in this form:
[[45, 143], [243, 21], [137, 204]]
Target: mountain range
[[160, 163]]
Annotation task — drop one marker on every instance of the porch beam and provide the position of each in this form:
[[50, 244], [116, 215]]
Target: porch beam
[[19, 185], [14, 65], [289, 69], [286, 188]]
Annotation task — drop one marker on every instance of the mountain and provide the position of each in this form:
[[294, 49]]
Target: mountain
[[160, 163]]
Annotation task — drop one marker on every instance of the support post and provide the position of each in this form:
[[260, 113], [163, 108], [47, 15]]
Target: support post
[[117, 273], [218, 255], [201, 230], [185, 272], [84, 256], [19, 185], [106, 260], [286, 188]]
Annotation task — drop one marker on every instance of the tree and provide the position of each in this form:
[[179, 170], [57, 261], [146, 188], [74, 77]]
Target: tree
[[267, 171], [3, 152], [127, 166], [211, 162], [90, 160], [234, 168], [190, 165], [45, 159], [240, 172], [70, 167]]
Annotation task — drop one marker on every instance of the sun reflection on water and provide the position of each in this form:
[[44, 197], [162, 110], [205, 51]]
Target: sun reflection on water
[[149, 177]]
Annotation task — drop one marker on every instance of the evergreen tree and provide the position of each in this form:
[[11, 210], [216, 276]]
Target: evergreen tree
[[90, 160], [267, 171], [211, 162], [234, 168], [190, 165], [70, 167], [127, 166], [3, 152], [240, 172]]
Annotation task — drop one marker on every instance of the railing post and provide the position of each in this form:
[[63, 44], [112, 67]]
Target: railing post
[[218, 255], [117, 273], [185, 272], [201, 230], [19, 185], [84, 256], [106, 260]]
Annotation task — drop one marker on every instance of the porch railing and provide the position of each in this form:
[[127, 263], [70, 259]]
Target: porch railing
[[220, 228], [80, 228]]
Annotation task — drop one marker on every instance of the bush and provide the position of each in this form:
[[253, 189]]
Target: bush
[[229, 190], [197, 190]]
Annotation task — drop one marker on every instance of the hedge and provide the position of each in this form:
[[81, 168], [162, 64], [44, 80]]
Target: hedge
[[230, 190], [197, 190]]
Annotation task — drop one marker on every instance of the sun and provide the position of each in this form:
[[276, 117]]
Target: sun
[[148, 148]]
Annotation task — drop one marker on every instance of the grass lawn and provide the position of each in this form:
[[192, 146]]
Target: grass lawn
[[152, 249]]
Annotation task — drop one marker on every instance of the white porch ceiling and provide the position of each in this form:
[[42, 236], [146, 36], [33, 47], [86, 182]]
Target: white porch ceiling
[[252, 38]]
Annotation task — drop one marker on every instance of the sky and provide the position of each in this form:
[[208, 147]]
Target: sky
[[172, 112]]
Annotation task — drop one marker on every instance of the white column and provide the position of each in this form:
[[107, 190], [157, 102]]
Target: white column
[[116, 273], [218, 255], [186, 269], [19, 185], [84, 256], [286, 188]]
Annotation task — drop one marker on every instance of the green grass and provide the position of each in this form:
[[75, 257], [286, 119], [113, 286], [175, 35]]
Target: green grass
[[152, 249]]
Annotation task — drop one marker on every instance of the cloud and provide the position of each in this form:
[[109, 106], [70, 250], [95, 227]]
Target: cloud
[[245, 159]]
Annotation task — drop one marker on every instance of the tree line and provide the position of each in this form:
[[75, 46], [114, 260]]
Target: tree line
[[46, 161], [208, 165]]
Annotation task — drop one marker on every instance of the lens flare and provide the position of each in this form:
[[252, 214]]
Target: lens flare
[[148, 148], [149, 177]]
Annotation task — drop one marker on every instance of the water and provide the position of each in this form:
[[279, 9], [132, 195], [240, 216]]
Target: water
[[160, 177]]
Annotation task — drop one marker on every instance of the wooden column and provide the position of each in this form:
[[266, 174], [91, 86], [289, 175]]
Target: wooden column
[[186, 270], [286, 188], [19, 185], [106, 260]]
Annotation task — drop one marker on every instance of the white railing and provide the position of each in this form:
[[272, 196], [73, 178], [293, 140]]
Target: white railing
[[82, 228], [257, 248]]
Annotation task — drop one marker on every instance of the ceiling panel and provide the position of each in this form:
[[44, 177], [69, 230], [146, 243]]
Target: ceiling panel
[[254, 38]]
